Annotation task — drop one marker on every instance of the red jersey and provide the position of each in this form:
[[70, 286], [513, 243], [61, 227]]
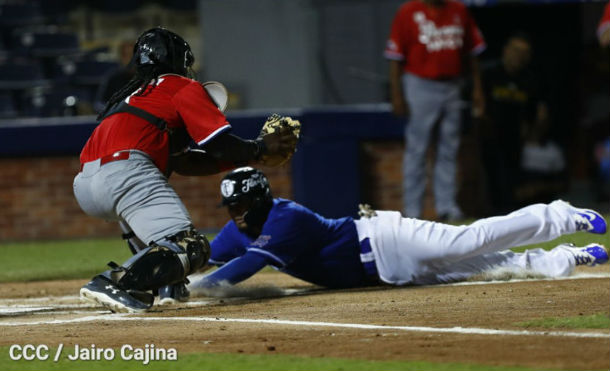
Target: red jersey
[[181, 102], [604, 22], [433, 39]]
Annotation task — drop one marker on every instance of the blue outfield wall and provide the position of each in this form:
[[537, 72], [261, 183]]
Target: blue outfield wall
[[326, 170]]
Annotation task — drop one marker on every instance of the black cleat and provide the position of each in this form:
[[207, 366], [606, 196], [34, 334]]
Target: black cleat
[[103, 291], [171, 294]]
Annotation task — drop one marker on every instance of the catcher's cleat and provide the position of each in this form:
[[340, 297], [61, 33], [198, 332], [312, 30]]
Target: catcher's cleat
[[589, 221], [171, 294], [103, 291], [592, 254]]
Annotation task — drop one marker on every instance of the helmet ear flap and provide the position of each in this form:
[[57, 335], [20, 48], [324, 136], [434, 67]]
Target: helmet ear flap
[[259, 210]]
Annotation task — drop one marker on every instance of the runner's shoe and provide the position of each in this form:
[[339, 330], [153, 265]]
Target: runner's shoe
[[592, 254], [589, 221]]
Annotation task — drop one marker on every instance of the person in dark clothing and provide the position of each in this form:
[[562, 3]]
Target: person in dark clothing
[[117, 78], [516, 113]]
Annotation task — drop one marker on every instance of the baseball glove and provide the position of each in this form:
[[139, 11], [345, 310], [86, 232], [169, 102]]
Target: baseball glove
[[287, 131]]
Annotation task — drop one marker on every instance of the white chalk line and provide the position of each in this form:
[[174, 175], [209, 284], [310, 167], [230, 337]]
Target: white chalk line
[[52, 311], [12, 307], [450, 330], [42, 298], [25, 302], [576, 276], [124, 317]]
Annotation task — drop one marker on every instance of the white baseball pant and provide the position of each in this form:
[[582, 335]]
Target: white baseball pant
[[416, 251]]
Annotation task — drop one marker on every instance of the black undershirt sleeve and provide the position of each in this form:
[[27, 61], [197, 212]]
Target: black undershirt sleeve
[[229, 147]]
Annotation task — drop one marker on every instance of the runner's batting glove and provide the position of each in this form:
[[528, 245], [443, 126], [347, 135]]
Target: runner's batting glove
[[366, 211]]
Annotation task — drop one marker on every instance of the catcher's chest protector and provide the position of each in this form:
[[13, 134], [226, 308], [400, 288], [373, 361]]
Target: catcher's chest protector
[[178, 137]]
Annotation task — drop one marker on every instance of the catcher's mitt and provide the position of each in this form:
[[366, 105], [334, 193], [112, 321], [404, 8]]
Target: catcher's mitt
[[286, 130]]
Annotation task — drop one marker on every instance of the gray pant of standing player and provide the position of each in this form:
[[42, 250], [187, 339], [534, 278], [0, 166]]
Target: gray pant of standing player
[[135, 192], [430, 101]]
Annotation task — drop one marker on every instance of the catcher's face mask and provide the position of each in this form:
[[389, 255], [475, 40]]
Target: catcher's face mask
[[161, 47]]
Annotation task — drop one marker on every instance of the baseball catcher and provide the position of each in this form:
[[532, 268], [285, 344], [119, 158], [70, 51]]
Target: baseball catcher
[[146, 132], [382, 246]]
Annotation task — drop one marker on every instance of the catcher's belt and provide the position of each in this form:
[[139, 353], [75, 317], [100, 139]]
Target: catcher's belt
[[119, 155]]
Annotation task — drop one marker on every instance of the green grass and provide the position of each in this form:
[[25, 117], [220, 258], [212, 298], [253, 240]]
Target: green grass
[[48, 260], [578, 239], [235, 362], [30, 261], [596, 321]]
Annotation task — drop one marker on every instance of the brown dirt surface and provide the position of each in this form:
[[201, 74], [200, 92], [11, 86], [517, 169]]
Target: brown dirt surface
[[493, 306]]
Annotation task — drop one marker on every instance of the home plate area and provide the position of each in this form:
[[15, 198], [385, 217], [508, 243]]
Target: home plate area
[[481, 322]]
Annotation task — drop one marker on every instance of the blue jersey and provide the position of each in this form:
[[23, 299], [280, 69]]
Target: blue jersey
[[294, 240]]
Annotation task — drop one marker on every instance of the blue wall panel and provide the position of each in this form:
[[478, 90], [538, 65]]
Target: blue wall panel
[[326, 168]]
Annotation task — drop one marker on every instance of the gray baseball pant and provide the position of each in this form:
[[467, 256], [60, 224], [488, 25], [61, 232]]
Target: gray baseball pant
[[430, 101], [132, 191]]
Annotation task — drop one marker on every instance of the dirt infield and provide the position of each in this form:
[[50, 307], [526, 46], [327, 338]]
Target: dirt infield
[[469, 323]]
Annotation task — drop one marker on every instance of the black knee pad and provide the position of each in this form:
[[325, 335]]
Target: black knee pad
[[151, 268], [164, 263], [196, 246]]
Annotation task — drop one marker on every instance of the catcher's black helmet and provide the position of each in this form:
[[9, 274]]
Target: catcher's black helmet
[[244, 182], [164, 49]]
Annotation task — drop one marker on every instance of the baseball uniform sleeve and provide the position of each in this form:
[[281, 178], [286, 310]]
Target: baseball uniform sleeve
[[227, 245], [284, 237], [203, 120], [235, 271], [396, 45]]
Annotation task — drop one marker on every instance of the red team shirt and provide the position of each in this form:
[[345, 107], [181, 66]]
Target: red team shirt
[[180, 101], [432, 40]]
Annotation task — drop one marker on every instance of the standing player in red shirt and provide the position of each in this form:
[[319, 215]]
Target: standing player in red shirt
[[145, 133], [430, 43]]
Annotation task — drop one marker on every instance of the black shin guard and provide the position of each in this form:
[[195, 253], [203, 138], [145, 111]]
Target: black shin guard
[[165, 263], [151, 268]]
